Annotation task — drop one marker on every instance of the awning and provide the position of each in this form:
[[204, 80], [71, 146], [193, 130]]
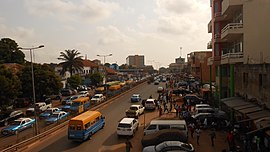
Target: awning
[[244, 107], [250, 110], [259, 114], [234, 102], [257, 130]]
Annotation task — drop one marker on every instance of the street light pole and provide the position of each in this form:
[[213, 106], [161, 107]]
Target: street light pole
[[33, 83], [105, 73]]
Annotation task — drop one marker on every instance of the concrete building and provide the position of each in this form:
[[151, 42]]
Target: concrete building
[[240, 48], [197, 63], [135, 61]]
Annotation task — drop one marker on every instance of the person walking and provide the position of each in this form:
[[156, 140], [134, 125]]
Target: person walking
[[128, 145], [198, 132], [192, 129], [212, 136], [166, 108]]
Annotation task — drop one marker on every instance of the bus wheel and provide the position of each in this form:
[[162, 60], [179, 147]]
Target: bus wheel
[[89, 136]]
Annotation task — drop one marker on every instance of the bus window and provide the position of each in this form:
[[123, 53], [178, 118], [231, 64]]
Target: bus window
[[72, 127], [97, 119], [86, 126], [79, 127]]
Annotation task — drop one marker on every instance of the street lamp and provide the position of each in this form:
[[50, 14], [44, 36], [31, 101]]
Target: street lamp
[[33, 83], [105, 73]]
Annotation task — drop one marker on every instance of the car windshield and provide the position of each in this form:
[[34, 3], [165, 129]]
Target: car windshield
[[76, 104], [55, 115], [121, 125], [16, 123], [133, 108]]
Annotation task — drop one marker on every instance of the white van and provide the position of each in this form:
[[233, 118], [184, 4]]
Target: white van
[[156, 125]]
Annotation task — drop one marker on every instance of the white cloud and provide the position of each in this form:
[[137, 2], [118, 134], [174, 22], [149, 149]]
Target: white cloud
[[110, 35], [84, 10]]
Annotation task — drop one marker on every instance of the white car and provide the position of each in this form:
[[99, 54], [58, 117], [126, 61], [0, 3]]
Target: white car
[[84, 93], [127, 127], [98, 98], [150, 104]]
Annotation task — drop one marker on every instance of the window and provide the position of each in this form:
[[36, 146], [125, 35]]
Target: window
[[164, 127], [72, 127], [152, 127], [262, 81], [245, 79], [79, 127]]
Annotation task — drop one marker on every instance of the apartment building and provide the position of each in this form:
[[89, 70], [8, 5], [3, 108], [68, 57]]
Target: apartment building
[[240, 50], [135, 61], [197, 63]]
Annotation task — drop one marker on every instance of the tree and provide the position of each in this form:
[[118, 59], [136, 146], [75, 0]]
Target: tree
[[96, 78], [10, 86], [74, 81], [46, 81], [72, 61], [9, 52], [107, 65]]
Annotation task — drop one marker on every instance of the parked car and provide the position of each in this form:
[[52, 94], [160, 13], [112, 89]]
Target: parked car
[[160, 89], [127, 127], [17, 126], [98, 98], [56, 117], [170, 146], [135, 111], [163, 135], [48, 113], [8, 116], [156, 82], [135, 98], [194, 99], [84, 93], [66, 92], [39, 106], [220, 121]]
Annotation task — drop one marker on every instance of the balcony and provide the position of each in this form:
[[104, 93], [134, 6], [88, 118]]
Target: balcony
[[230, 6], [232, 32], [232, 58], [209, 45], [210, 26]]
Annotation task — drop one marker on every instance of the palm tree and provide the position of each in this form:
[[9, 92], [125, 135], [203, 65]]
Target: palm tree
[[72, 61]]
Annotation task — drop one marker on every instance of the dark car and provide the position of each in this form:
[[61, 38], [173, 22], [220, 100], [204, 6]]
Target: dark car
[[163, 135], [8, 116], [194, 99], [66, 92], [170, 146]]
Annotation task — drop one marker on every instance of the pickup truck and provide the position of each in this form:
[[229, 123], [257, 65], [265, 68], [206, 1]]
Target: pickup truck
[[40, 107], [134, 111]]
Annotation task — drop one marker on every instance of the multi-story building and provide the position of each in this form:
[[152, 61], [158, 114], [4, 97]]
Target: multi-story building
[[197, 63], [135, 61], [240, 48]]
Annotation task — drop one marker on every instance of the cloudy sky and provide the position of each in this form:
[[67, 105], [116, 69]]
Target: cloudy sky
[[153, 28]]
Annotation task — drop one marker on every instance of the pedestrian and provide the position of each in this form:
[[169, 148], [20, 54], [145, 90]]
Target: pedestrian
[[212, 136], [128, 145], [170, 110], [160, 111], [198, 132], [191, 128], [166, 108], [230, 139], [176, 109], [205, 123]]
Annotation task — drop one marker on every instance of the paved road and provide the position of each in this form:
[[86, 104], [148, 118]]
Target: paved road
[[106, 138]]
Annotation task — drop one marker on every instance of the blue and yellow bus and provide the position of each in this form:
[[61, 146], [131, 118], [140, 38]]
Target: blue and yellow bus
[[80, 104], [83, 126]]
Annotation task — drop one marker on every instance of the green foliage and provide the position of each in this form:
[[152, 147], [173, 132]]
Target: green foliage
[[72, 61], [96, 78], [74, 81], [9, 52], [46, 81], [107, 65], [10, 86]]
